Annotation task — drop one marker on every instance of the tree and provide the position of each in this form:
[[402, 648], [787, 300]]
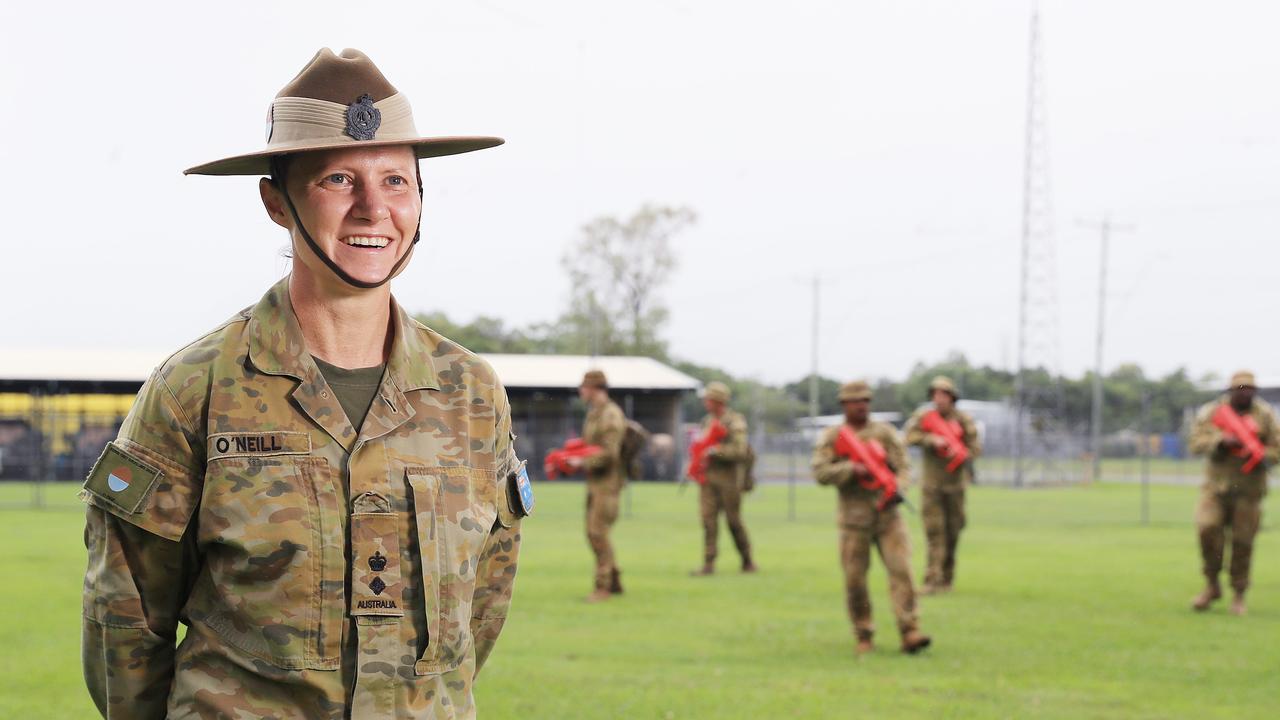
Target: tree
[[484, 334], [616, 268]]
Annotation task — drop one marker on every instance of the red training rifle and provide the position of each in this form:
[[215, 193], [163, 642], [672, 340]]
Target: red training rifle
[[871, 455], [1246, 431], [557, 461], [951, 432], [697, 470]]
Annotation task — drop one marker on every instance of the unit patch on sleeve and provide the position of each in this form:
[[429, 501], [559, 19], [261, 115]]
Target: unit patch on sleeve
[[121, 479], [257, 444], [520, 492]]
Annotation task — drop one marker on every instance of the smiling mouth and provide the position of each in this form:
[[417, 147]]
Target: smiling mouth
[[366, 241]]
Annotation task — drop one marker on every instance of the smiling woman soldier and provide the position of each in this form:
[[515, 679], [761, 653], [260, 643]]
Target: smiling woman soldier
[[322, 490]]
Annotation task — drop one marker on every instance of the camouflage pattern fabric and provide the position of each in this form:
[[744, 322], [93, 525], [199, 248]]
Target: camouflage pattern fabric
[[942, 494], [722, 493], [862, 526], [1230, 497], [321, 572], [605, 426]]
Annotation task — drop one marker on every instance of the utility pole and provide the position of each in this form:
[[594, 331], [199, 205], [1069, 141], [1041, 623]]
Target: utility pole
[[1105, 227]]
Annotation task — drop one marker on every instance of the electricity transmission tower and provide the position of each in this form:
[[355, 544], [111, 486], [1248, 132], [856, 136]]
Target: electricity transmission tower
[[1038, 393]]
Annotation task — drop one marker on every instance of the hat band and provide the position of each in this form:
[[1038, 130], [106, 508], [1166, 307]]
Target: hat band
[[297, 122]]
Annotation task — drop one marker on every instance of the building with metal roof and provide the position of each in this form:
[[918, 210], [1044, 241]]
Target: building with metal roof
[[51, 404]]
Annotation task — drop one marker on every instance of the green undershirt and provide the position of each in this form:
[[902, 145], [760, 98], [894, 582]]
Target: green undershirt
[[355, 389]]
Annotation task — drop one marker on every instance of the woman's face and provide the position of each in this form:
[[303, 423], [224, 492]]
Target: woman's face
[[360, 205]]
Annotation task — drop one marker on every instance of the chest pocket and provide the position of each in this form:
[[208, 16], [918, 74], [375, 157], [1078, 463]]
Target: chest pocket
[[272, 530], [454, 510]]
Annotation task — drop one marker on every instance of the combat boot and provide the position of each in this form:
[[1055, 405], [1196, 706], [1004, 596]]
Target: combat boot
[[930, 589], [864, 645], [913, 641], [706, 569], [1237, 605], [748, 566], [1206, 597], [615, 582], [599, 595]]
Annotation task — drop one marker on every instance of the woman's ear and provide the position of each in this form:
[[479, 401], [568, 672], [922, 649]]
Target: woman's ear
[[273, 201]]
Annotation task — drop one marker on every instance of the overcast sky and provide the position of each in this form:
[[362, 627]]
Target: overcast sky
[[876, 143]]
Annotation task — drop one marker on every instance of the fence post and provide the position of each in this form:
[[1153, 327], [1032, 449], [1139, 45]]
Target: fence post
[[1146, 456]]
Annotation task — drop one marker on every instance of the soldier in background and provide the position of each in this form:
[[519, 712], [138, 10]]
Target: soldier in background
[[1235, 483], [863, 524], [942, 491], [605, 427], [726, 469]]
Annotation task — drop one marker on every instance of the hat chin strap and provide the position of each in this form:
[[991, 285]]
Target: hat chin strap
[[277, 173]]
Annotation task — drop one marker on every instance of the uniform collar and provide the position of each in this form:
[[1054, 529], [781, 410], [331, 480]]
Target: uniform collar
[[276, 345]]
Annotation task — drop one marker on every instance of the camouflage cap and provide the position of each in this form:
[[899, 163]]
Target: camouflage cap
[[856, 390], [1243, 378], [596, 379], [943, 383], [717, 391]]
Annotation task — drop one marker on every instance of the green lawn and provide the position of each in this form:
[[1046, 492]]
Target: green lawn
[[1065, 608]]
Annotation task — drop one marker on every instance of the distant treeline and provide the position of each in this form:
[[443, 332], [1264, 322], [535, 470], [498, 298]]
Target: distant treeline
[[779, 406]]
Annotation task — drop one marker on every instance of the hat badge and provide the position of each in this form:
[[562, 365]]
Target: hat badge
[[363, 119]]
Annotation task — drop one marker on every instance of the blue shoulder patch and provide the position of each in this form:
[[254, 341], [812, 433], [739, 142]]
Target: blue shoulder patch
[[522, 492]]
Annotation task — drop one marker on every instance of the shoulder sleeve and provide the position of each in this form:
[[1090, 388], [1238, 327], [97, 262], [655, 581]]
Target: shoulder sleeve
[[972, 440], [1205, 436], [496, 573], [828, 468], [915, 436], [150, 476], [896, 452], [1269, 434]]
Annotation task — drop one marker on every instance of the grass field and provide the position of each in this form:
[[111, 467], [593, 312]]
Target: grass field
[[1065, 608]]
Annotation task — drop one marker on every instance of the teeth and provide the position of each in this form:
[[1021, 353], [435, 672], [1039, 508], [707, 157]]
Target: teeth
[[362, 241]]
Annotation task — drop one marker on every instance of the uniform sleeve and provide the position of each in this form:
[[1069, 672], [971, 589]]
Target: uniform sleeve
[[915, 435], [733, 448], [1205, 436], [896, 455], [613, 425], [828, 468], [135, 586], [1269, 434], [496, 574], [141, 558], [971, 438]]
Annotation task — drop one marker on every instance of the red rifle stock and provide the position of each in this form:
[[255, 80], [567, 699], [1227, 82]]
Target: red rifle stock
[[698, 450], [872, 456], [1231, 423], [956, 450], [557, 461]]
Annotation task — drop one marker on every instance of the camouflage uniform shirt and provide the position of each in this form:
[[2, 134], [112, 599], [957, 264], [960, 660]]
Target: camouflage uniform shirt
[[934, 473], [1224, 472], [725, 460], [321, 572], [605, 426]]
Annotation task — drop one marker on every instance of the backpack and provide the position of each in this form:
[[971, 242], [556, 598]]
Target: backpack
[[633, 441]]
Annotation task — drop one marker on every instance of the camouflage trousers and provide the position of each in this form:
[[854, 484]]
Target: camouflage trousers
[[943, 515], [1215, 513], [888, 533], [602, 513], [714, 498]]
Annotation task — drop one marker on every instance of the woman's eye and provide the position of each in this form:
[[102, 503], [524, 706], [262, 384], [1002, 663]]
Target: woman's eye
[[336, 178], [396, 180]]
